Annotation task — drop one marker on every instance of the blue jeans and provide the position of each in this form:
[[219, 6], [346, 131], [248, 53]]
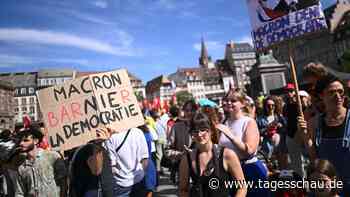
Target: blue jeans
[[137, 190]]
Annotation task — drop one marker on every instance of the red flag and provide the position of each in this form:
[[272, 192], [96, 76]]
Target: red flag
[[166, 105], [26, 121], [156, 103], [145, 103], [174, 99]]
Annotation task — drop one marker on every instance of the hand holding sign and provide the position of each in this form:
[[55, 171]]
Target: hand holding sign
[[73, 111], [104, 133]]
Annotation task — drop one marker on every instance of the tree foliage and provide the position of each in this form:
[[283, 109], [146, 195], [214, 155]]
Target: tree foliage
[[345, 61], [183, 96], [139, 96]]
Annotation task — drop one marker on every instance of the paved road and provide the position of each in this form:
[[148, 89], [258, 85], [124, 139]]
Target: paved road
[[166, 188]]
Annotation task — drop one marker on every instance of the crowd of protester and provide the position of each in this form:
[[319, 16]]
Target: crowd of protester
[[237, 139]]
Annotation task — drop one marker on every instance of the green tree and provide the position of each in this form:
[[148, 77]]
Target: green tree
[[345, 61], [182, 97], [139, 96]]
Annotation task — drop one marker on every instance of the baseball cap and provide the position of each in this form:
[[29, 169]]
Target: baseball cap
[[289, 86], [303, 93]]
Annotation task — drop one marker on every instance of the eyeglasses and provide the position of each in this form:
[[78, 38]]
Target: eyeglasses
[[200, 132], [334, 93]]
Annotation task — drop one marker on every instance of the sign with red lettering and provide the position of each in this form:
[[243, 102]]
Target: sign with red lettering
[[117, 100], [72, 112]]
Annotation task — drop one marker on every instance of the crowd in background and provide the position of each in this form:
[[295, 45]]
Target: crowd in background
[[241, 139]]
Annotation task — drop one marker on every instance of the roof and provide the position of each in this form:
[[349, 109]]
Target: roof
[[154, 84], [83, 74], [159, 80], [133, 77], [55, 73], [20, 79], [204, 51], [195, 70], [242, 47], [6, 85]]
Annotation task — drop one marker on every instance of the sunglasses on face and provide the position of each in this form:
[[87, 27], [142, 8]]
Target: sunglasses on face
[[200, 132], [334, 93]]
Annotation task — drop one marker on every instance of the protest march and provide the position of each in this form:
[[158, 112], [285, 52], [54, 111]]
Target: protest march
[[271, 119]]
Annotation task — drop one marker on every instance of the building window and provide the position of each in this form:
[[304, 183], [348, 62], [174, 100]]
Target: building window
[[16, 109], [32, 110], [24, 101], [16, 92], [16, 102], [31, 100], [31, 90], [23, 91], [24, 109]]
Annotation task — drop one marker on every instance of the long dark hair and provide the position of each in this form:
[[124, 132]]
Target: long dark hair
[[325, 167], [82, 178], [212, 114]]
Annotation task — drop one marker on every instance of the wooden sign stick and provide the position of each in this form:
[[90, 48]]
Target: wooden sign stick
[[295, 81]]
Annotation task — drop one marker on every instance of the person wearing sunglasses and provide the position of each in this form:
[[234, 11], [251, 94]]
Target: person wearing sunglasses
[[208, 165], [330, 135], [240, 134]]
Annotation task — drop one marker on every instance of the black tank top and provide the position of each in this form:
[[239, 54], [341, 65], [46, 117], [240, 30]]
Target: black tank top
[[333, 131], [200, 184]]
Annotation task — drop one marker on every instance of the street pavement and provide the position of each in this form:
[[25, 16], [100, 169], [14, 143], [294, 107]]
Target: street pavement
[[166, 188]]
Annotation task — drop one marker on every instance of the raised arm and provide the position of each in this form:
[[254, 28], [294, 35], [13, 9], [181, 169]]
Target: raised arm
[[307, 128]]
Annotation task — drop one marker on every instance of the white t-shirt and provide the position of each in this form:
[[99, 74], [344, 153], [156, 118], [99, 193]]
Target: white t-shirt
[[127, 167], [238, 128]]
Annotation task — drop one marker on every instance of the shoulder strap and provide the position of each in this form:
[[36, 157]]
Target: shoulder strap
[[217, 158], [346, 138], [127, 134], [318, 134]]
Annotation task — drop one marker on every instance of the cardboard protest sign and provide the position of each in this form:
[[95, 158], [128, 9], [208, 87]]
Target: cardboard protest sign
[[72, 112], [274, 21], [116, 99]]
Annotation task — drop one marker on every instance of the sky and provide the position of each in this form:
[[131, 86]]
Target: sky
[[147, 37]]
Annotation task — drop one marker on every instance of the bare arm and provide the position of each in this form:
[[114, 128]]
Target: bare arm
[[144, 163], [308, 131], [251, 138], [184, 177], [233, 166], [249, 144]]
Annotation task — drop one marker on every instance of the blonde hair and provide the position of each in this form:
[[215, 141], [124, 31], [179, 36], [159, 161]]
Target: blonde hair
[[241, 96]]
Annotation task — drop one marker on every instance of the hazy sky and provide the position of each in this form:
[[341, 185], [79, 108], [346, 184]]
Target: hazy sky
[[148, 37]]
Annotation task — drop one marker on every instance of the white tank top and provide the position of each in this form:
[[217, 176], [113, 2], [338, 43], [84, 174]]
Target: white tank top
[[238, 127]]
